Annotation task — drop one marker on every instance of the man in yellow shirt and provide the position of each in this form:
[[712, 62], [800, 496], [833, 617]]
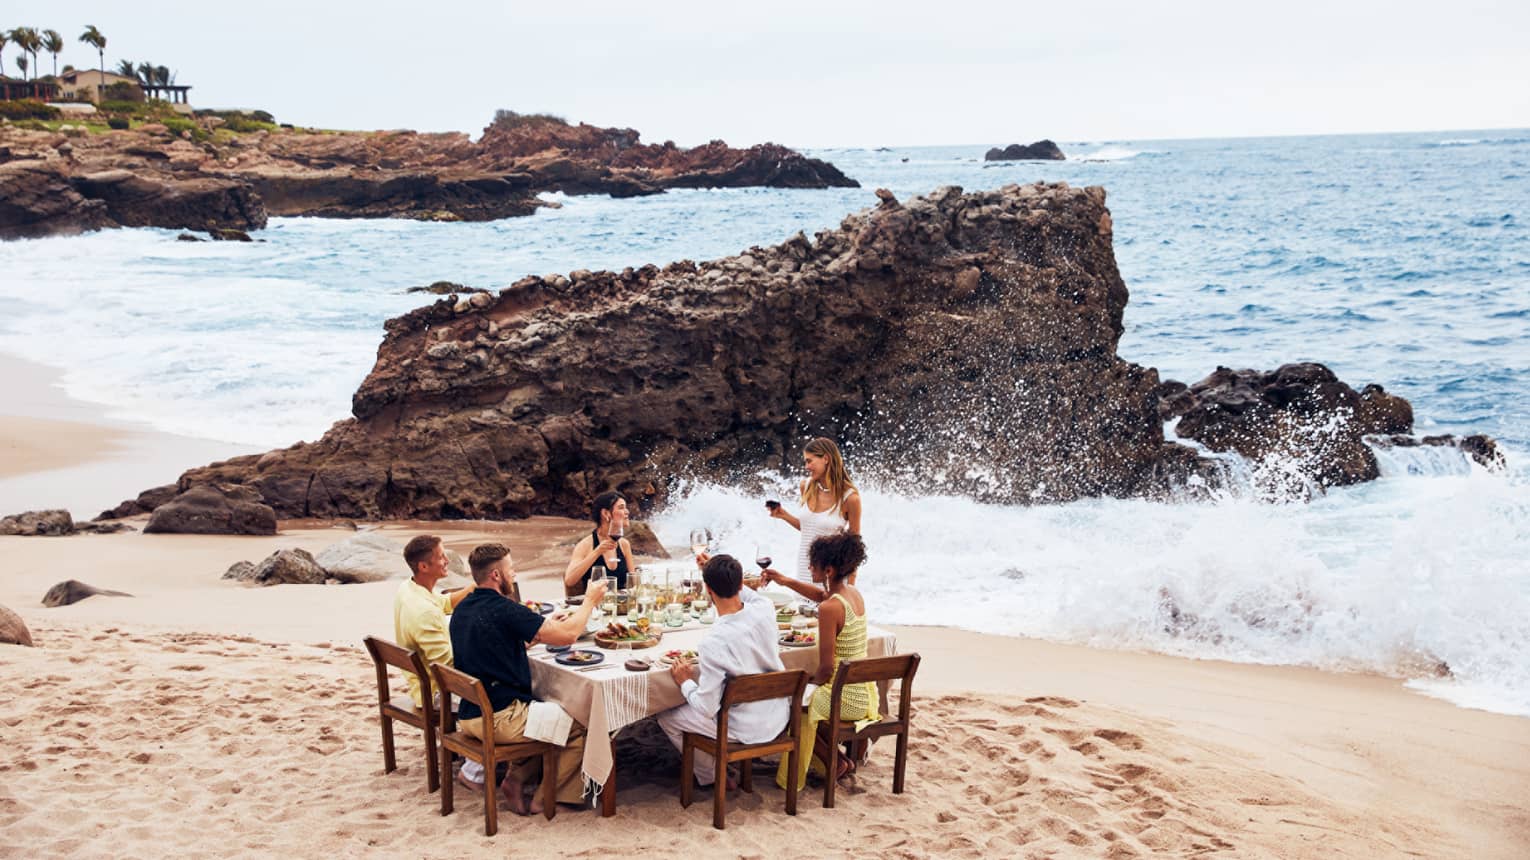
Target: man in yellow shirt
[[419, 619]]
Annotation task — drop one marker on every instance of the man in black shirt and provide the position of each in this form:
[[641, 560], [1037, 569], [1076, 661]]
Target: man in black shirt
[[490, 632]]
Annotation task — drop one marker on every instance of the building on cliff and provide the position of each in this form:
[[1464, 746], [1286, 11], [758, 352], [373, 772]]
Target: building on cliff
[[15, 88], [88, 84]]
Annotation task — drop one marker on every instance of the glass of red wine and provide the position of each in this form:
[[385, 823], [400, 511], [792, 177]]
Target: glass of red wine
[[761, 558]]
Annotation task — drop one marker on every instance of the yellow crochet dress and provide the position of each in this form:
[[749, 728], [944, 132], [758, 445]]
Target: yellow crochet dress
[[858, 702]]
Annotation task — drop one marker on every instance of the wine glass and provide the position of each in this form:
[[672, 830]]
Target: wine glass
[[700, 540], [597, 575]]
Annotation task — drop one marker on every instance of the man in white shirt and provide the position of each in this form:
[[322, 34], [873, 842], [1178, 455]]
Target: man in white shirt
[[742, 642]]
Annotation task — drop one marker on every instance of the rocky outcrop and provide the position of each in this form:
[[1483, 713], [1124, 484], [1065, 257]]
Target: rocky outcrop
[[961, 343], [13, 631], [136, 200], [212, 509], [145, 503], [38, 200], [501, 405], [1300, 415], [1041, 150], [73, 591], [51, 185]]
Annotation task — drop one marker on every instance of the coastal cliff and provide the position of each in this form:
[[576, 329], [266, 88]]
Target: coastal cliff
[[218, 179], [962, 343]]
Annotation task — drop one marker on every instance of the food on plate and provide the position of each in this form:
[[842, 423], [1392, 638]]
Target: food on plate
[[618, 630], [580, 657], [678, 654], [637, 664], [799, 638]]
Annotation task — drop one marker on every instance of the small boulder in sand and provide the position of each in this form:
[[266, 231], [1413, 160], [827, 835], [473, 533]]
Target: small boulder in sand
[[13, 631], [52, 522], [283, 567], [73, 591], [214, 510], [367, 557]]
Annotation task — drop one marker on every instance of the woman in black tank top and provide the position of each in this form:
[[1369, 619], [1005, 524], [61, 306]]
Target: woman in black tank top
[[609, 513]]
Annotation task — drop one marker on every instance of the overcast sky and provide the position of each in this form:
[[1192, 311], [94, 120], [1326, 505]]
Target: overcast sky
[[837, 74]]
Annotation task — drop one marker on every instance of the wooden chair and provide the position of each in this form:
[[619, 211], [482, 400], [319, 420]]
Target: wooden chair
[[875, 669], [402, 708], [746, 688], [485, 751]]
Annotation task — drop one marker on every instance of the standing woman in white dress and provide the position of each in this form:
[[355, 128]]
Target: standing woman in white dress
[[830, 502]]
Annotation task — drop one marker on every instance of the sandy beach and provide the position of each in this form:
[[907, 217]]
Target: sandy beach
[[200, 715]]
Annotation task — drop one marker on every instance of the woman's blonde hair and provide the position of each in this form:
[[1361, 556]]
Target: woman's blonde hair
[[836, 477]]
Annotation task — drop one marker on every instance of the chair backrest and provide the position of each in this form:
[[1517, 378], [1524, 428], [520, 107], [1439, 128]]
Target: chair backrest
[[899, 667], [385, 654], [759, 688], [454, 683]]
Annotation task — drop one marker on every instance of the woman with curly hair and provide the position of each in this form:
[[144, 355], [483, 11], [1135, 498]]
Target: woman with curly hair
[[833, 561]]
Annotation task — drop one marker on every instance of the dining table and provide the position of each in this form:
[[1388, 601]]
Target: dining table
[[606, 697]]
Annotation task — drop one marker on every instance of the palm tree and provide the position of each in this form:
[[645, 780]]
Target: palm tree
[[31, 42], [53, 43], [21, 63], [164, 76], [93, 38], [126, 69], [4, 39], [146, 74]]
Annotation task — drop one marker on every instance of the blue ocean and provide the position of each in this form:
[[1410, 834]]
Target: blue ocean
[[1401, 259]]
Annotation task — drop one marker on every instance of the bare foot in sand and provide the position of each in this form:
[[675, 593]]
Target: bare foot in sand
[[515, 796]]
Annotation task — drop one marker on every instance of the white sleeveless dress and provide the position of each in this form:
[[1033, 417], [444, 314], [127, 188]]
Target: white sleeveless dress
[[815, 526]]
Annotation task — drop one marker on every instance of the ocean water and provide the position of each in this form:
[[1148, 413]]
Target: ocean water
[[1401, 259]]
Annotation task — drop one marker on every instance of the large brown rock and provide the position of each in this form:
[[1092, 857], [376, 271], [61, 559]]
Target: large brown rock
[[13, 631], [214, 510], [1003, 307]]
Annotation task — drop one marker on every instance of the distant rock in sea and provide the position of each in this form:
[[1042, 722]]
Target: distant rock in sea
[[1041, 150], [970, 340]]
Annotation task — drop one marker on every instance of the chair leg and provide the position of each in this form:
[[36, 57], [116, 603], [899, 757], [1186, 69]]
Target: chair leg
[[792, 779], [900, 761], [446, 786], [432, 773], [608, 793], [746, 775], [490, 799], [829, 781], [389, 764], [687, 766], [720, 785], [550, 783]]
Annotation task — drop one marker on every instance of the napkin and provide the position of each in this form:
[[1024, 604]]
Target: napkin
[[548, 722]]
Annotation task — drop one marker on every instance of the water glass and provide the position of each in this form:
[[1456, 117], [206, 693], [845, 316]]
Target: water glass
[[676, 613]]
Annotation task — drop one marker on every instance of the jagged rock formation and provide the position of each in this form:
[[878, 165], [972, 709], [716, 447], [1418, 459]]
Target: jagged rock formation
[[1299, 413], [968, 340], [52, 184], [960, 343], [1041, 150]]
